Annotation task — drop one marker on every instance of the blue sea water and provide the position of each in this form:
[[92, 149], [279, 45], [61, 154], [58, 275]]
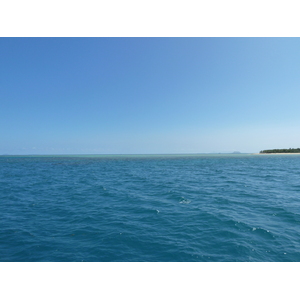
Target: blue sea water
[[150, 208]]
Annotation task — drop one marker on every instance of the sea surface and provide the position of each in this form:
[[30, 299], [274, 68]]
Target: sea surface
[[150, 208]]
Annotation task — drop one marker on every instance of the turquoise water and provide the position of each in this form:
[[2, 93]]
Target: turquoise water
[[150, 208]]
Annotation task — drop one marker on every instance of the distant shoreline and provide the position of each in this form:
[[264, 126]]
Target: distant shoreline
[[276, 153]]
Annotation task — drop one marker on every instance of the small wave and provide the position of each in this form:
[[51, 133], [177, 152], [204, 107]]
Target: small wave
[[185, 201], [263, 232]]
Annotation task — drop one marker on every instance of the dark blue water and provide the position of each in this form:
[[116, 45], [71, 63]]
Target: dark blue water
[[150, 208]]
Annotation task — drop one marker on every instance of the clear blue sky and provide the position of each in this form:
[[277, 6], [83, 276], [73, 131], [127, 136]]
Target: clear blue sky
[[148, 95]]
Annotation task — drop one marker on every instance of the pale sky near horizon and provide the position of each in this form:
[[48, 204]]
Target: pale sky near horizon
[[148, 95]]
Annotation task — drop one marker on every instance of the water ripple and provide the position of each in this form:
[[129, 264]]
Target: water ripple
[[150, 208]]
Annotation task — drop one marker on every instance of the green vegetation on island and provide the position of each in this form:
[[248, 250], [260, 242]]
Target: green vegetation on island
[[290, 150]]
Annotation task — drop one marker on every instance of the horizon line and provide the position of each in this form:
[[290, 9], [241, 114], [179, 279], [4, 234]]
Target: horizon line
[[187, 153]]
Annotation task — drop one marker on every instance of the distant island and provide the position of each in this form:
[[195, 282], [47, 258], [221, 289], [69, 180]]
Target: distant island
[[290, 150]]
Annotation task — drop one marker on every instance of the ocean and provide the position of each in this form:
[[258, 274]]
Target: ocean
[[150, 208]]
